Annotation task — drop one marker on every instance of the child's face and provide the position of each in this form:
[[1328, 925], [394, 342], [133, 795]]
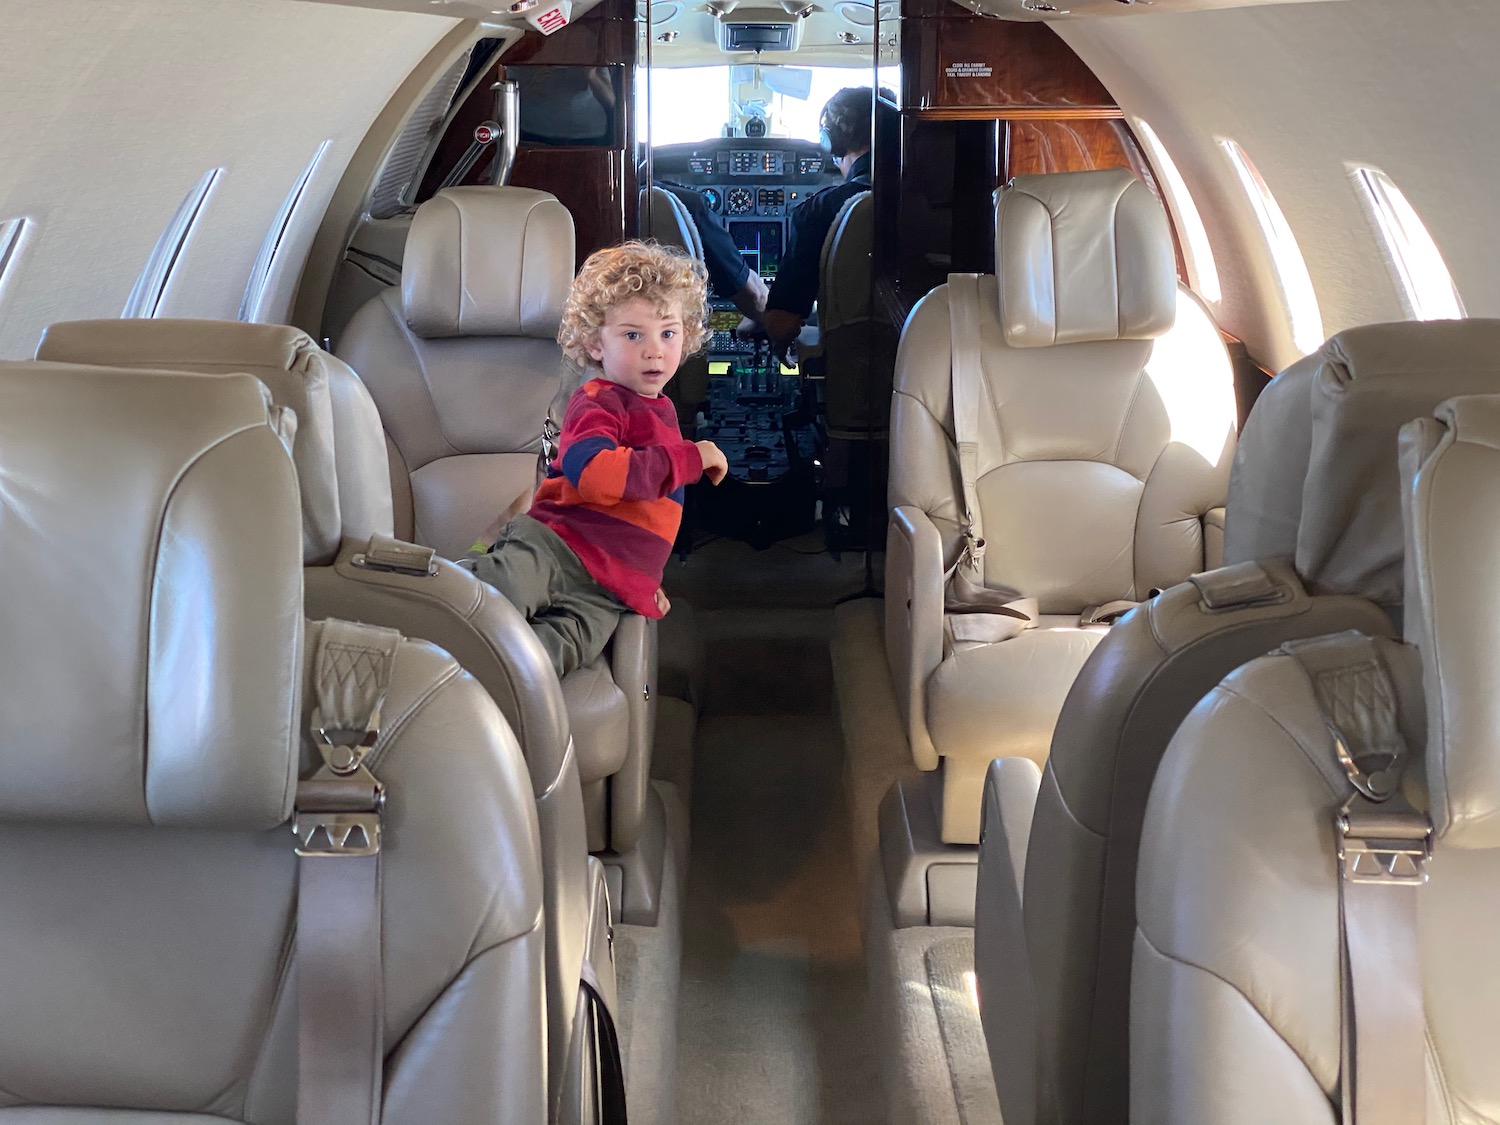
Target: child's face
[[638, 348]]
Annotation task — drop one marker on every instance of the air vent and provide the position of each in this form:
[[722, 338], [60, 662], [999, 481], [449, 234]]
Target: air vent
[[760, 35], [145, 298]]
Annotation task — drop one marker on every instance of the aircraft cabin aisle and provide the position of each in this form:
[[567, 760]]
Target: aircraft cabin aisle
[[1076, 702]]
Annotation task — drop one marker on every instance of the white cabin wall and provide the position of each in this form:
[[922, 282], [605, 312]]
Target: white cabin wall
[[1304, 88], [113, 109]]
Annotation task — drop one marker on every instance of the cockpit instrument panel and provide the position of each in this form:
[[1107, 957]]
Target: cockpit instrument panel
[[756, 162], [809, 165]]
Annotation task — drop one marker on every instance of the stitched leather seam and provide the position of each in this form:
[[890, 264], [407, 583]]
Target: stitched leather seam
[[1442, 1077], [161, 522], [1183, 961]]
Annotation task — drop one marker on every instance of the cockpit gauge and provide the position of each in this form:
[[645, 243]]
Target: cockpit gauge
[[714, 197], [739, 201]]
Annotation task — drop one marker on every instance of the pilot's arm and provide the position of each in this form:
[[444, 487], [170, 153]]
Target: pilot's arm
[[728, 272]]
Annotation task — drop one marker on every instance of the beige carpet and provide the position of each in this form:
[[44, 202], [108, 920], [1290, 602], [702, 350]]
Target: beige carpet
[[773, 1024]]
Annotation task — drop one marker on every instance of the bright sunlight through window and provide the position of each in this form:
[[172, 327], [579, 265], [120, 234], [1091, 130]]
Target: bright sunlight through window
[[1202, 272], [1417, 266], [1291, 269]]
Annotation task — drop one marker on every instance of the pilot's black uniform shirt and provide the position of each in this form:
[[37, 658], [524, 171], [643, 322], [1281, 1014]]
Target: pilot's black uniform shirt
[[796, 285], [727, 269]]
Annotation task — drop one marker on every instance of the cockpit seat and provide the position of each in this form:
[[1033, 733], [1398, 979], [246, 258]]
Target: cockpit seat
[[1102, 433], [462, 362], [1314, 546], [672, 225], [356, 572], [1266, 876], [159, 686]]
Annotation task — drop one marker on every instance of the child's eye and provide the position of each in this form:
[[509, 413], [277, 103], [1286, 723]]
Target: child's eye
[[669, 333], [632, 335]]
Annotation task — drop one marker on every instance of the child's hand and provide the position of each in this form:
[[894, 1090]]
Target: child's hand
[[715, 464], [661, 601]]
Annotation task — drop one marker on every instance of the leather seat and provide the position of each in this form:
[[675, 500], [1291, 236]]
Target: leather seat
[[671, 225], [1314, 543], [357, 573], [462, 362], [1104, 435], [857, 348], [1236, 1007], [156, 688]]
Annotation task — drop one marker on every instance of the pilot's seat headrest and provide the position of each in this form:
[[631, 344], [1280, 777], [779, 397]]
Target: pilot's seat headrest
[[1315, 476], [151, 548], [339, 447], [1082, 257], [487, 261], [671, 223]]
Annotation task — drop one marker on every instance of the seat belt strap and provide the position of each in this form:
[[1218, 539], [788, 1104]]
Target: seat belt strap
[[1384, 846], [338, 822], [968, 380]]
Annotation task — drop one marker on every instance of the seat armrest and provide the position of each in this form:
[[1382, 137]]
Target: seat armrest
[[1002, 969], [633, 665], [1213, 538], [476, 625], [914, 620]]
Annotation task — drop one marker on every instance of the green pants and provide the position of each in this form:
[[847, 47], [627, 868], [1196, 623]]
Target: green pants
[[572, 615]]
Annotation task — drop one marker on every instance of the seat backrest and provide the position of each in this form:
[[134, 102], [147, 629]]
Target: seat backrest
[[670, 222], [1107, 425], [1347, 402], [462, 360], [338, 450], [858, 348], [154, 726], [1236, 992]]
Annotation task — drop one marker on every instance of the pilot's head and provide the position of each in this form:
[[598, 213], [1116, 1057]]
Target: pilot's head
[[845, 121]]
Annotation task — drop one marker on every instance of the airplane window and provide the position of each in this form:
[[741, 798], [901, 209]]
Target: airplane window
[[145, 298], [13, 234], [1417, 266], [1202, 271], [256, 290], [1291, 268], [695, 103]]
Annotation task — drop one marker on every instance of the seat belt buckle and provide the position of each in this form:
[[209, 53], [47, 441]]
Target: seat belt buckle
[[341, 834], [1393, 848]]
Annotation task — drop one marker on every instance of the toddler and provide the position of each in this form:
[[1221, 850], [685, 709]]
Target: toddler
[[601, 526]]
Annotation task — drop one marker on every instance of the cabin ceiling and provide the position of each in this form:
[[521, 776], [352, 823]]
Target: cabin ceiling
[[693, 20]]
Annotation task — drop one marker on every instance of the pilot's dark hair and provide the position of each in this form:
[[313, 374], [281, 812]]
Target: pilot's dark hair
[[846, 119]]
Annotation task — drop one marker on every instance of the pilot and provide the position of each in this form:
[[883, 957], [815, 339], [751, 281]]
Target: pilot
[[728, 272], [845, 124]]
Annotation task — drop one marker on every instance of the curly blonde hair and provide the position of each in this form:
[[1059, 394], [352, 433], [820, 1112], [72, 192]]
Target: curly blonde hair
[[663, 275]]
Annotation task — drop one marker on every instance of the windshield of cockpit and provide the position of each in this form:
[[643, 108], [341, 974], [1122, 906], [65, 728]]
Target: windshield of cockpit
[[696, 103]]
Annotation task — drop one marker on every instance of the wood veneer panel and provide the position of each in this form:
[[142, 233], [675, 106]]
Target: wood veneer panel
[[589, 182], [971, 63]]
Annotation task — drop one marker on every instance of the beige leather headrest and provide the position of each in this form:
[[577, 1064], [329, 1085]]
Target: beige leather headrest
[[1325, 449], [152, 617], [487, 261], [1083, 256], [339, 447], [1454, 540]]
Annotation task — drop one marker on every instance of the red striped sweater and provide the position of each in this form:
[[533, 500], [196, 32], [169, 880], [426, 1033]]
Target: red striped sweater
[[614, 492]]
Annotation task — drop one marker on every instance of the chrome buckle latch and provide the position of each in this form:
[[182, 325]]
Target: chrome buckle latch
[[1383, 846]]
